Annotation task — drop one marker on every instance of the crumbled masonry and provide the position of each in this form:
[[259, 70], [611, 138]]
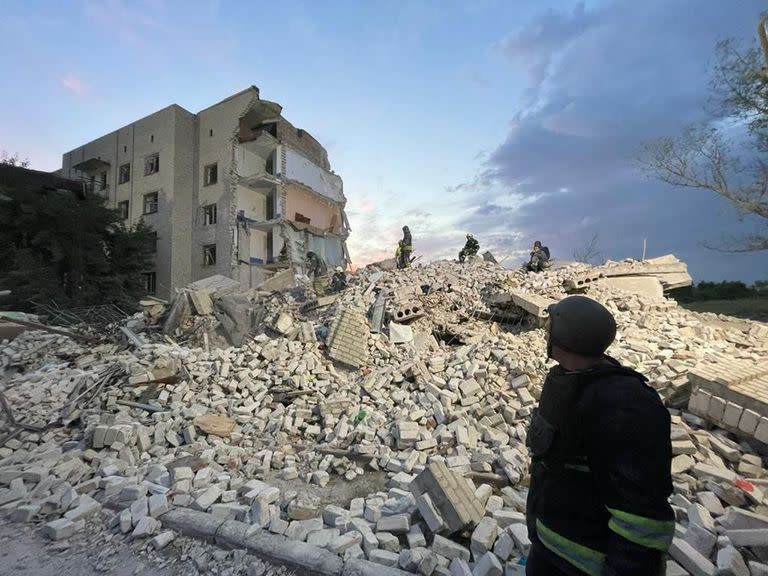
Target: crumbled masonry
[[413, 388]]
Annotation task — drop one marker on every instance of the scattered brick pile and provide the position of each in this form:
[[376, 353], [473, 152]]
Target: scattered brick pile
[[437, 401]]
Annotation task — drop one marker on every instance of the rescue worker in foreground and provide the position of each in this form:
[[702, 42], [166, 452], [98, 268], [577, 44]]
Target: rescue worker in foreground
[[539, 258], [600, 457], [471, 248], [405, 247]]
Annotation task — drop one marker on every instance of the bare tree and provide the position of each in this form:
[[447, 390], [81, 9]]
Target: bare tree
[[703, 158], [14, 160], [589, 253]]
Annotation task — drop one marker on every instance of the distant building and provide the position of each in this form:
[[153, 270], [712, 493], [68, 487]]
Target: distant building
[[226, 190]]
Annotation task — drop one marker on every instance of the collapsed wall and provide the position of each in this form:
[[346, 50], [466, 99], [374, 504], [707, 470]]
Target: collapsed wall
[[416, 385]]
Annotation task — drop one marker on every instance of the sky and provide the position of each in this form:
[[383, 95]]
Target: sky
[[512, 120]]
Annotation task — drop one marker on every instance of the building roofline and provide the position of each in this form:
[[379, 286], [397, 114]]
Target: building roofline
[[251, 88]]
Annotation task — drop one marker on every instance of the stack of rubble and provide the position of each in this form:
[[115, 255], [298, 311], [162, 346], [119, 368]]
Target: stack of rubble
[[429, 389]]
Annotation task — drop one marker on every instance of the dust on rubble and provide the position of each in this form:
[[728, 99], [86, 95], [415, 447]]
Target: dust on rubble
[[385, 422]]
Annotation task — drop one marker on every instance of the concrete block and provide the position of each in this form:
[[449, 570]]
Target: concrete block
[[25, 513], [748, 422], [300, 529], [507, 517], [59, 529], [697, 514], [739, 519], [716, 409], [384, 557], [504, 546], [674, 569], [207, 499], [732, 415], [449, 549], [397, 524], [748, 537], [162, 540], [702, 540], [761, 433], [388, 541], [488, 565], [415, 537], [145, 527], [139, 509], [344, 542], [731, 563], [711, 502], [430, 513], [519, 533], [483, 537], [87, 507], [685, 555], [450, 494], [158, 505], [322, 538], [460, 567]]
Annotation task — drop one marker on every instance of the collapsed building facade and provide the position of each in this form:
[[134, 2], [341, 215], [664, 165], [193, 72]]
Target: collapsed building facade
[[226, 190]]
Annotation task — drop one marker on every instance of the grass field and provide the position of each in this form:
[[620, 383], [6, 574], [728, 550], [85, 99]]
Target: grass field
[[750, 308]]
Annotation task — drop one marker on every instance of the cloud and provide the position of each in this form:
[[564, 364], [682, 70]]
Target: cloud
[[601, 81], [74, 84], [130, 22]]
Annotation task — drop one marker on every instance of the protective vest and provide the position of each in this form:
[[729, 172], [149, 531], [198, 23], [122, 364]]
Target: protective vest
[[593, 506]]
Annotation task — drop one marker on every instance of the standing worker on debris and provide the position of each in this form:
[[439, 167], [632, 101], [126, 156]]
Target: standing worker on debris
[[317, 271], [405, 247], [471, 248], [539, 258], [600, 457], [338, 280]]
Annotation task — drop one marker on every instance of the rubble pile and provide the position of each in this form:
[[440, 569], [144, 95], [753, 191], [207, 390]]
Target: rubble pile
[[426, 375]]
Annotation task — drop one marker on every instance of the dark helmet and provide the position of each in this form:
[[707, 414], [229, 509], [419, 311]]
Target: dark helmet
[[580, 325], [537, 243], [405, 228], [469, 236]]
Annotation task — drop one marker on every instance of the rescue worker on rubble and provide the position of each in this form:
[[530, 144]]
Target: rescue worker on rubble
[[471, 248], [405, 247], [338, 280], [600, 457], [539, 258], [317, 271]]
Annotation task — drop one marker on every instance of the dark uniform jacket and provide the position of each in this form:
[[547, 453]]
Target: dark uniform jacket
[[472, 246], [407, 241], [600, 473]]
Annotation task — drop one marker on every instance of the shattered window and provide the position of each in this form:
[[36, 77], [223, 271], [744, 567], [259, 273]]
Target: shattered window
[[209, 214], [150, 203], [209, 255], [211, 174], [125, 173], [150, 281], [151, 164]]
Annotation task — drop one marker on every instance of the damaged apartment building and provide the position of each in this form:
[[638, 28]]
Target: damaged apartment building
[[235, 190]]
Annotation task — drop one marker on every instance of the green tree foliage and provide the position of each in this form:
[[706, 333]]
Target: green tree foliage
[[725, 290], [59, 246]]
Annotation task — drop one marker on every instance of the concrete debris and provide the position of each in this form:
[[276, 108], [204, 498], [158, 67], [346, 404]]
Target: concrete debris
[[426, 420]]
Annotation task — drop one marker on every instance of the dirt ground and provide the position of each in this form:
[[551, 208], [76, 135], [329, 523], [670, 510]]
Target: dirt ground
[[92, 552]]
